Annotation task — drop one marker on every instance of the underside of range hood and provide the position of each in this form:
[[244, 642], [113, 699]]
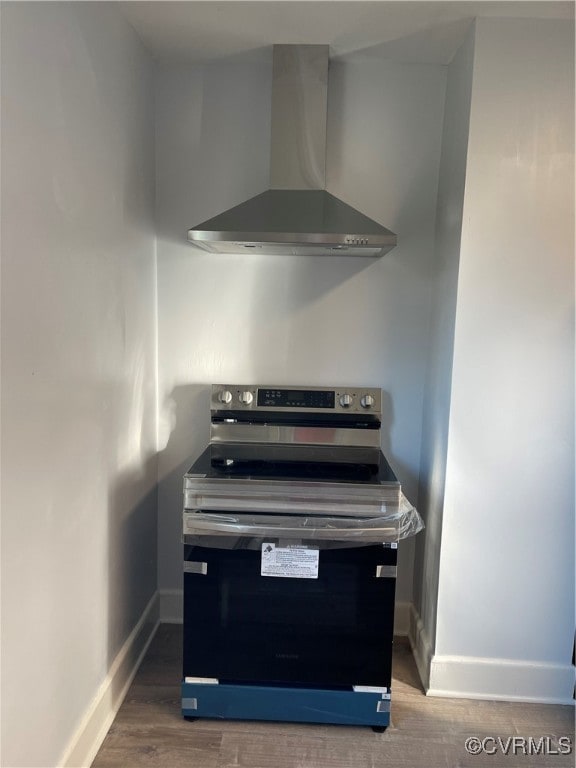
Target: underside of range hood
[[296, 216], [299, 222]]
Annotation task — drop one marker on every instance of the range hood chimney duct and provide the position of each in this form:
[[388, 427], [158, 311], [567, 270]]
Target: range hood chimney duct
[[299, 108], [297, 215]]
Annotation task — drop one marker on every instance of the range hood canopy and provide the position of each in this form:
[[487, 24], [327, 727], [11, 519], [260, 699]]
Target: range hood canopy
[[296, 216]]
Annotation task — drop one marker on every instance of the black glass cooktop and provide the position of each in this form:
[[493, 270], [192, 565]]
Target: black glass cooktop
[[266, 467]]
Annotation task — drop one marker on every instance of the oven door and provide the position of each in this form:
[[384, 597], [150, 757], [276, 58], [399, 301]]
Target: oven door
[[332, 631]]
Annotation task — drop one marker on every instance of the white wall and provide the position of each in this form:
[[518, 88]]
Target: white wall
[[213, 138], [443, 279], [505, 624], [384, 139], [78, 363], [285, 319]]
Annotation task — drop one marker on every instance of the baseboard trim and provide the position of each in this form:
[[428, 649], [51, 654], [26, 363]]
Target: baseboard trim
[[99, 716], [465, 677], [501, 679]]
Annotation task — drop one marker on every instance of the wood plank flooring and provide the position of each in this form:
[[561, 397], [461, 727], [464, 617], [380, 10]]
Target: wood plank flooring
[[149, 732]]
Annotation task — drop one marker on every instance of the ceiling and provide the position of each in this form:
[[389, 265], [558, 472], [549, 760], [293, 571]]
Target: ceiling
[[425, 32]]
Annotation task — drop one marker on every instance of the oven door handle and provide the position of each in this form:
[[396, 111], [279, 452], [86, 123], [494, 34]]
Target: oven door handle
[[192, 566], [386, 571]]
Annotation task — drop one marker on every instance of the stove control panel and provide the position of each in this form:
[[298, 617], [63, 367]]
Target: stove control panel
[[296, 399], [272, 397]]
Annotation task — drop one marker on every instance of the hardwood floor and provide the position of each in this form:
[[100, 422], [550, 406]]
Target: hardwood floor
[[429, 732]]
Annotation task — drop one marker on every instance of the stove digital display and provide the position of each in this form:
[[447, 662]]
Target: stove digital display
[[296, 398]]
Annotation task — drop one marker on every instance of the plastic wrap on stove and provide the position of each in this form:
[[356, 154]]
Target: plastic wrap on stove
[[293, 498], [230, 530]]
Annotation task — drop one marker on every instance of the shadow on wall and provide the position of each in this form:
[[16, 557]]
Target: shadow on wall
[[188, 410], [403, 471], [300, 281], [438, 42], [302, 314], [132, 551], [213, 138], [187, 429], [387, 421]]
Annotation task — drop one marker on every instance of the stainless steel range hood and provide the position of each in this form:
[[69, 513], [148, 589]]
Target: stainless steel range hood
[[297, 215]]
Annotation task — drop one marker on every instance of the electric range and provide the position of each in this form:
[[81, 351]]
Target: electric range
[[291, 522]]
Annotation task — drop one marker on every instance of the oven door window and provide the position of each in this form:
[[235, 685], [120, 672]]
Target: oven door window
[[333, 631]]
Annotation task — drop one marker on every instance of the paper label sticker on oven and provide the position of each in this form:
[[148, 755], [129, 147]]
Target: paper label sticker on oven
[[289, 562]]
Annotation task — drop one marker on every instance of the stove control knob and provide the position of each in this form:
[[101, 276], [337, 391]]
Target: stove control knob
[[367, 401], [246, 397], [346, 401], [225, 396]]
